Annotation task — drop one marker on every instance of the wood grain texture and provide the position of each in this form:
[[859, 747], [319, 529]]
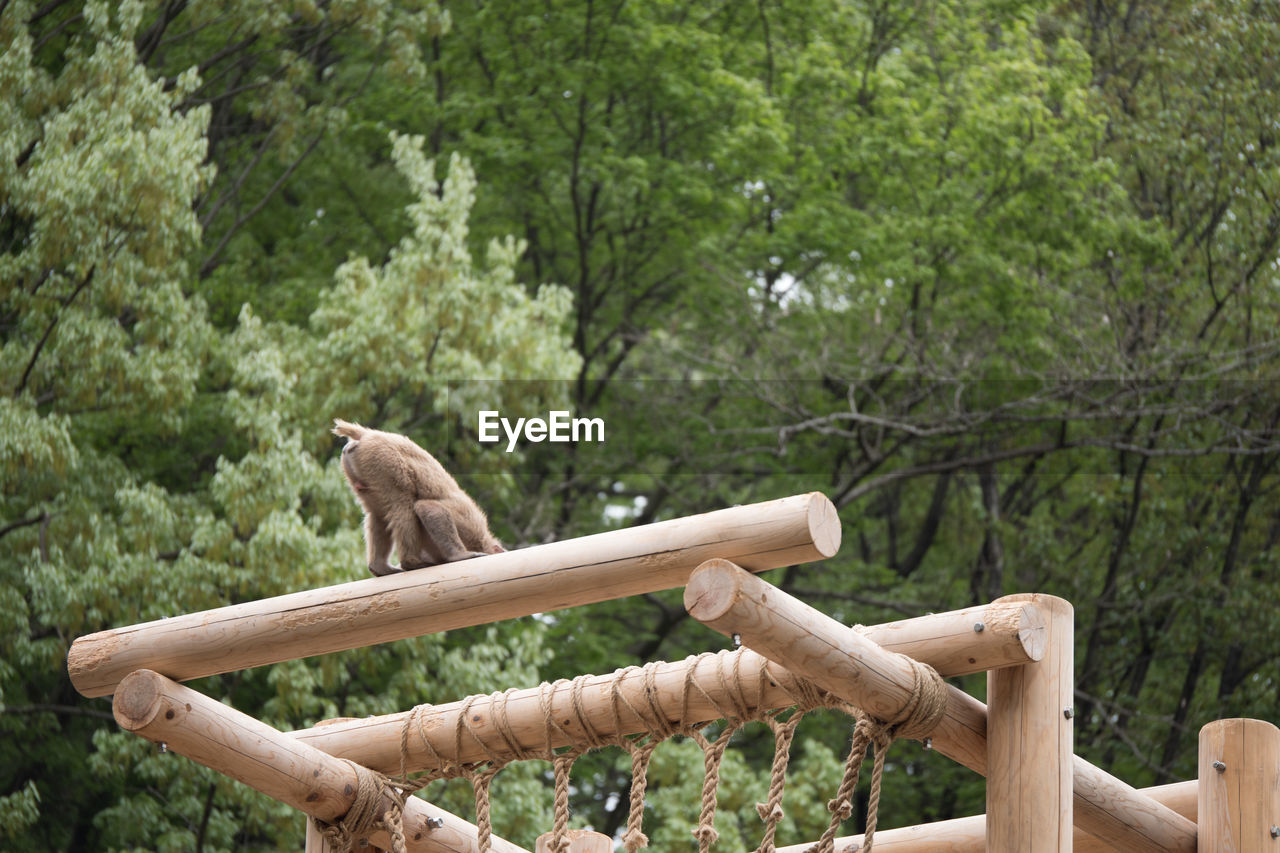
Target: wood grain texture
[[1029, 742], [604, 566], [844, 662], [968, 834], [375, 741], [580, 841], [297, 774], [1239, 793]]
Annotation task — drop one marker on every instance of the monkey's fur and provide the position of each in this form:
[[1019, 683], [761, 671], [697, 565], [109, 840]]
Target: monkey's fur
[[410, 502]]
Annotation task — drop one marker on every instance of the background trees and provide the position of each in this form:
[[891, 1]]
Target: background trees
[[1000, 278]]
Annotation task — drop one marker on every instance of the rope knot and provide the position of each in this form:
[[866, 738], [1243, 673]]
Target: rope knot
[[706, 835], [769, 812], [925, 707], [633, 840], [842, 809]]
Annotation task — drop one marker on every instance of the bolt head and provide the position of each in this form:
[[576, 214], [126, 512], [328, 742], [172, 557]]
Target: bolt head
[[978, 627], [1068, 712], [1219, 766]]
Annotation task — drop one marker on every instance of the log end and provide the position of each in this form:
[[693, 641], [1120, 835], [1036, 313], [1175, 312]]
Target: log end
[[824, 524], [138, 699], [86, 657], [713, 589], [1032, 633]]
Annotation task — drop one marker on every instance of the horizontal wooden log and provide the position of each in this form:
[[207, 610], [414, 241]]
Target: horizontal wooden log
[[604, 566], [1013, 634], [968, 834], [235, 744], [962, 642], [842, 661]]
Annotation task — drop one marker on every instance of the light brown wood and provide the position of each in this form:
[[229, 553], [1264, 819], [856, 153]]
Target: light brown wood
[[375, 741], [614, 564], [315, 840], [235, 744], [1029, 742], [1239, 793], [960, 642], [580, 841], [968, 834], [842, 661]]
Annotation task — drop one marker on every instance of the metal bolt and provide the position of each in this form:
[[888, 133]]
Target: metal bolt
[[1068, 712], [164, 747], [1275, 832], [737, 641], [928, 743], [978, 627], [435, 822], [1219, 766]]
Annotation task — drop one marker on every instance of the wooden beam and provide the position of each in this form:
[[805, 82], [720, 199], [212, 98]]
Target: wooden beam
[[1239, 794], [1029, 742], [609, 565], [1012, 633], [315, 841], [580, 841], [843, 662], [235, 744], [969, 834], [962, 642]]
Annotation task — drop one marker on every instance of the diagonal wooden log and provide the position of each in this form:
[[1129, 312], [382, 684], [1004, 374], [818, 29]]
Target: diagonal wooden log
[[847, 664], [604, 566], [691, 691], [235, 744]]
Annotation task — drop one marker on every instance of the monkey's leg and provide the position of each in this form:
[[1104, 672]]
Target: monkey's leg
[[378, 539], [442, 532]]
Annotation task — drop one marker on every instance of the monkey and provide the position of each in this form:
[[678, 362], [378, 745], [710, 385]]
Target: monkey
[[410, 502]]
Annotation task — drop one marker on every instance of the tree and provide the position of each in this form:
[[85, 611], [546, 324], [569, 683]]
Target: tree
[[154, 464]]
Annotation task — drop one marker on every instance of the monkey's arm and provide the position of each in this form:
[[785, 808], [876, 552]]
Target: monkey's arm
[[442, 532], [378, 539]]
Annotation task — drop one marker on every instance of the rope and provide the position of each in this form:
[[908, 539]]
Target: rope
[[919, 716], [730, 698], [366, 815]]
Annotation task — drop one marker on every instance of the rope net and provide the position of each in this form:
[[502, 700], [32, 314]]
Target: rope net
[[379, 800]]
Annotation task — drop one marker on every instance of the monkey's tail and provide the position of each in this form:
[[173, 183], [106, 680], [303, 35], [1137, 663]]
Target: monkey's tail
[[348, 429]]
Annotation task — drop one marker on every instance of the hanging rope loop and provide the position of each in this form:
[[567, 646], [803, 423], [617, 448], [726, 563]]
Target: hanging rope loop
[[735, 696]]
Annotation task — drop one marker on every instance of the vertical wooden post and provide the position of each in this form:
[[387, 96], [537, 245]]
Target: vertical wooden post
[[315, 841], [1029, 742], [580, 841], [1239, 792]]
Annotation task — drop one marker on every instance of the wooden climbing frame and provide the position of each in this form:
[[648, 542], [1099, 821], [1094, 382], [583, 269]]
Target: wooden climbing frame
[[1041, 797]]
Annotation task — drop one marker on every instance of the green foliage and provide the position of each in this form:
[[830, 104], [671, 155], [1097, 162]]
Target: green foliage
[[999, 277]]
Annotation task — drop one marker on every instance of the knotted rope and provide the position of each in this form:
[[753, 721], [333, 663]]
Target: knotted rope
[[920, 715], [367, 814], [728, 696]]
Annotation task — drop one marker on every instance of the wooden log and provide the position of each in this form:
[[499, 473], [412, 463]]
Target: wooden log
[[609, 565], [375, 741], [1029, 742], [961, 642], [968, 834], [235, 744], [1239, 793], [842, 661], [315, 840], [580, 841]]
